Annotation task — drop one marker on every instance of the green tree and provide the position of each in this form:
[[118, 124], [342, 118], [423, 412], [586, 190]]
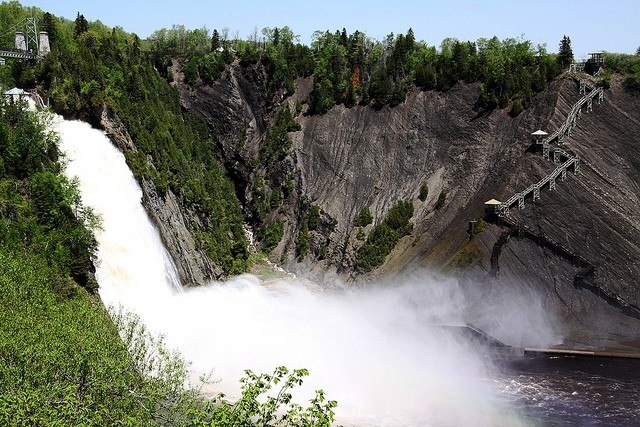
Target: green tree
[[363, 218], [49, 24], [81, 26], [215, 40], [565, 53]]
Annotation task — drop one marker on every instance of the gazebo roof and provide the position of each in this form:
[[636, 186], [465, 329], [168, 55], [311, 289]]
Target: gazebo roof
[[15, 91], [493, 202], [539, 133]]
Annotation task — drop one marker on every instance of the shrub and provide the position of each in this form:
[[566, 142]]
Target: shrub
[[302, 246], [363, 218], [271, 235], [385, 236], [424, 191], [312, 217]]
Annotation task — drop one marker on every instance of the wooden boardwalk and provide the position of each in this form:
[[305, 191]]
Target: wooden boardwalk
[[559, 154], [566, 160]]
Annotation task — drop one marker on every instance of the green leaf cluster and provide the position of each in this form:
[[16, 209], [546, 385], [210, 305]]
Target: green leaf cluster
[[277, 142], [40, 210], [308, 223], [270, 234], [384, 237], [363, 218], [352, 69], [442, 198], [627, 65]]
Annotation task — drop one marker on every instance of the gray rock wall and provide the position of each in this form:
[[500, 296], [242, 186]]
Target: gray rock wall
[[173, 221]]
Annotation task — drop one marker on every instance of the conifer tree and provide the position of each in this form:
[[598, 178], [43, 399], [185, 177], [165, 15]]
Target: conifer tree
[[82, 25], [565, 54], [215, 40]]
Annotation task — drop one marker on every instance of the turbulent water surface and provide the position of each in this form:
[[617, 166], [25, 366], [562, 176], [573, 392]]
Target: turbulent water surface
[[382, 352]]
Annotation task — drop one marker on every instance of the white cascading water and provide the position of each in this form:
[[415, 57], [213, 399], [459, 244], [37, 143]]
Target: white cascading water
[[371, 349]]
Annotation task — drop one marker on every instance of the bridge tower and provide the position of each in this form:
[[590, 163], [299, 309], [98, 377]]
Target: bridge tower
[[31, 33], [29, 44], [21, 42]]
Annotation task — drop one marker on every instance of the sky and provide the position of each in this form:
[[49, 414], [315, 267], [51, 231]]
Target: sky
[[592, 25]]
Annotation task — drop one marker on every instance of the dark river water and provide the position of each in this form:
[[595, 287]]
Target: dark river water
[[576, 391]]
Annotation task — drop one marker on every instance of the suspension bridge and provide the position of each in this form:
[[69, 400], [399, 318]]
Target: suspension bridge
[[29, 42]]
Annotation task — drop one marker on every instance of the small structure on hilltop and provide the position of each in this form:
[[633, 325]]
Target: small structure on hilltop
[[16, 94], [594, 63]]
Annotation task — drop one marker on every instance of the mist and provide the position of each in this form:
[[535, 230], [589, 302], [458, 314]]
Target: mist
[[381, 351]]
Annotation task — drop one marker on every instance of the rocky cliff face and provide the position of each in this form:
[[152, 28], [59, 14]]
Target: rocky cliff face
[[349, 159], [173, 221]]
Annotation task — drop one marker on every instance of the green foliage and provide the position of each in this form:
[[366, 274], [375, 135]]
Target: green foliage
[[81, 26], [259, 406], [274, 180], [355, 69], [465, 258], [312, 217], [363, 218], [61, 360], [627, 65], [516, 108], [442, 198], [424, 191], [384, 237], [39, 209], [25, 148], [277, 142], [271, 234], [477, 228], [309, 222], [565, 53], [302, 244]]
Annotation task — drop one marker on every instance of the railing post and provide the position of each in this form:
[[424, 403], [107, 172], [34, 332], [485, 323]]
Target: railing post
[[552, 183], [521, 201], [545, 151], [536, 193]]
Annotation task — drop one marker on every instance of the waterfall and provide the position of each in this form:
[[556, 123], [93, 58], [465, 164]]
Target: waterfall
[[131, 257], [373, 350]]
